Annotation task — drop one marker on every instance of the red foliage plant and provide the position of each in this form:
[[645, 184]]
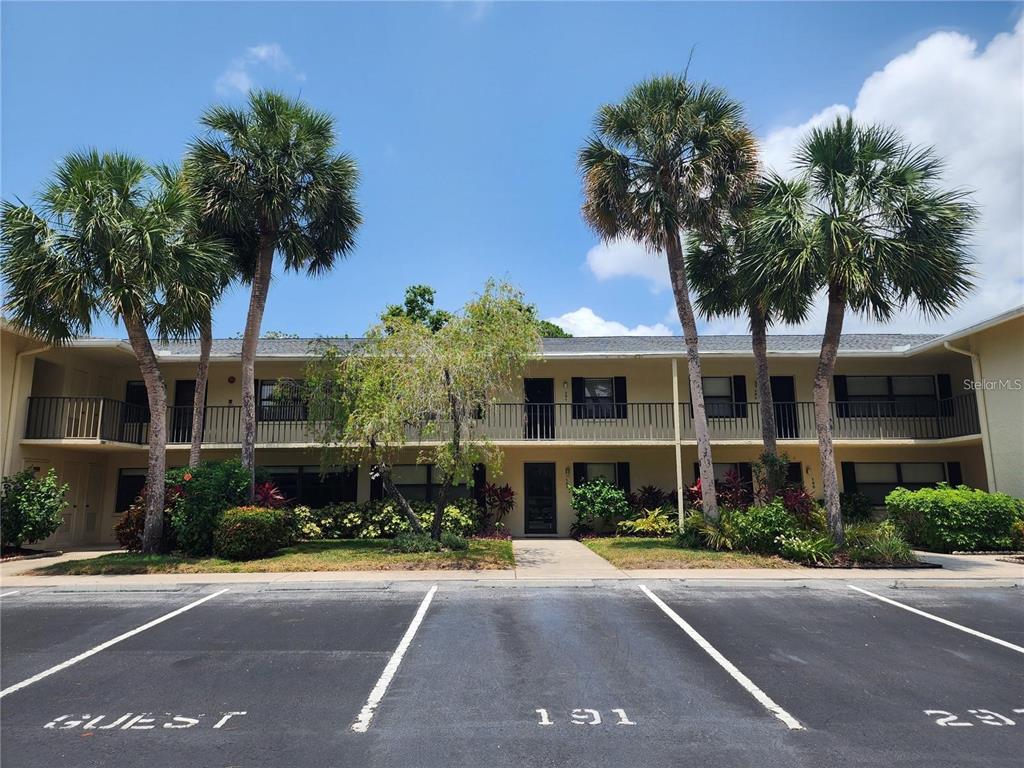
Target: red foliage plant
[[269, 496]]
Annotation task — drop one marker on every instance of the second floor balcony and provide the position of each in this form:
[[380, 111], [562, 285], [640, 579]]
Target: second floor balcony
[[96, 419]]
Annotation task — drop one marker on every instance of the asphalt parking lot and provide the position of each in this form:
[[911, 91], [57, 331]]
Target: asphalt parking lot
[[469, 675]]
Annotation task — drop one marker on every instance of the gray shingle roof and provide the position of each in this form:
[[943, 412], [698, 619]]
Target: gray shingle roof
[[593, 345]]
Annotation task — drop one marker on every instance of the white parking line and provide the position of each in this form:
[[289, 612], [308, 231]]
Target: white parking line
[[362, 723], [107, 644], [763, 698], [941, 620], [8, 594]]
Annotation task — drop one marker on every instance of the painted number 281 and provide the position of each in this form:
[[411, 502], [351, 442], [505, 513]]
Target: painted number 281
[[587, 717]]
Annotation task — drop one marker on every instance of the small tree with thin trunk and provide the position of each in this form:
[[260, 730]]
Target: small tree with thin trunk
[[110, 236], [271, 183], [721, 289], [672, 155], [869, 224], [407, 383]]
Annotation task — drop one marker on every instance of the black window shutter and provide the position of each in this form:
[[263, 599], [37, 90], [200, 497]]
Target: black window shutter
[[578, 396], [849, 477], [620, 397], [350, 484], [579, 473], [945, 390], [954, 475], [945, 385], [746, 473], [479, 480], [622, 476], [258, 399], [739, 396], [696, 472], [795, 473], [376, 487], [842, 396]]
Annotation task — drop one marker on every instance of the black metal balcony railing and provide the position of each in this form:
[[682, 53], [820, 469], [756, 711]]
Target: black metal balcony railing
[[92, 418]]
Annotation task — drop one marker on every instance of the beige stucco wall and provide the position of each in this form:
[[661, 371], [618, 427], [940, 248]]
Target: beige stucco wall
[[1000, 353]]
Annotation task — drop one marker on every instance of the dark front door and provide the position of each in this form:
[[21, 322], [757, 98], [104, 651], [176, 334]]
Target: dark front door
[[539, 498], [539, 421], [784, 397], [181, 413]]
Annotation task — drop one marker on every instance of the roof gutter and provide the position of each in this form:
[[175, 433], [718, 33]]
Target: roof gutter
[[979, 396]]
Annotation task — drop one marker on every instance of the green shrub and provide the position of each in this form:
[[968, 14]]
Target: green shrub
[[247, 533], [413, 543], [380, 519], [946, 519], [206, 492], [881, 543], [32, 507], [454, 542], [598, 502], [855, 507], [806, 548], [756, 529], [653, 522], [132, 525], [691, 536], [1017, 534]]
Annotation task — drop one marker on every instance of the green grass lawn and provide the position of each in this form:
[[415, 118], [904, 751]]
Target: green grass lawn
[[634, 553], [331, 555]]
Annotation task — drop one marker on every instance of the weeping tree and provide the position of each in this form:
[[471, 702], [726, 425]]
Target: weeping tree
[[111, 237], [671, 156], [722, 289], [869, 224], [407, 384], [271, 183]]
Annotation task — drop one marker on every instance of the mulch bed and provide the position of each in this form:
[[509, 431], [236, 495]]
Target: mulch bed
[[843, 561], [11, 554]]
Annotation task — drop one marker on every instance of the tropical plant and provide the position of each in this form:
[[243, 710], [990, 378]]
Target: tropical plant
[[270, 182], [32, 507], [499, 501], [110, 236], [247, 533], [269, 495], [809, 549], [197, 497], [715, 264], [868, 223], [648, 497], [375, 400], [651, 522], [672, 155]]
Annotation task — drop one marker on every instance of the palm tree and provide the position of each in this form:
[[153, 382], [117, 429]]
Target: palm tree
[[270, 182], [111, 237], [722, 289], [671, 156], [868, 223]]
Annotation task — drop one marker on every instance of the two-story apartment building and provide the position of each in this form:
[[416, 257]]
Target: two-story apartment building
[[907, 410]]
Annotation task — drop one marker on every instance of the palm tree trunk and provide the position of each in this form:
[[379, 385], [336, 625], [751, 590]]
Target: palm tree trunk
[[156, 393], [677, 273], [199, 400], [759, 341], [250, 338], [823, 411]]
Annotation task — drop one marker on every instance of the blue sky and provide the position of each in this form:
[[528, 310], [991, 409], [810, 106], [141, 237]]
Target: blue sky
[[465, 119]]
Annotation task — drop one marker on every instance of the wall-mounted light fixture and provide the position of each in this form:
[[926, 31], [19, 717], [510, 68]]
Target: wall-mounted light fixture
[[231, 379]]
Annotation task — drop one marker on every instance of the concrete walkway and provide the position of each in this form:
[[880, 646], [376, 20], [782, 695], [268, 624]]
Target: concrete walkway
[[560, 559]]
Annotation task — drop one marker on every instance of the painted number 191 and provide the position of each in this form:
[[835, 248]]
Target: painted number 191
[[587, 717]]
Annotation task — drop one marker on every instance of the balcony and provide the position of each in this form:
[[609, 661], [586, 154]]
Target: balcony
[[98, 419]]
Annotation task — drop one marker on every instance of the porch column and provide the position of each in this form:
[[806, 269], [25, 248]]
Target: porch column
[[678, 434]]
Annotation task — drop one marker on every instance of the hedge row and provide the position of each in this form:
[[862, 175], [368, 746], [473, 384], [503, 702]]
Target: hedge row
[[381, 519], [946, 519]]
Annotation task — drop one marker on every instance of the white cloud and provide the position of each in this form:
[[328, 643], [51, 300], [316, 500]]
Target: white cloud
[[585, 322], [628, 258], [237, 78], [967, 102]]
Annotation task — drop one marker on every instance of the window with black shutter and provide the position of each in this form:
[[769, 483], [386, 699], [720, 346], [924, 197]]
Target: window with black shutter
[[599, 397]]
